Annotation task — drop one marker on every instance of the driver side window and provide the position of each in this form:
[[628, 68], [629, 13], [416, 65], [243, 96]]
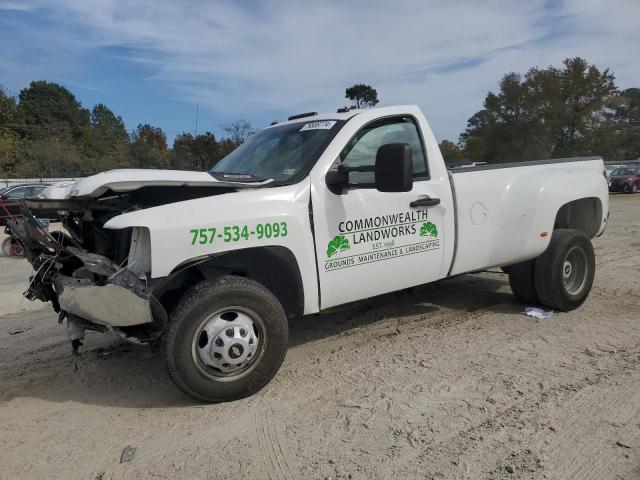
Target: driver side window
[[362, 148]]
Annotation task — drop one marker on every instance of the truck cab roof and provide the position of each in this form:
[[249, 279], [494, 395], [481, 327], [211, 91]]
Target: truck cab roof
[[337, 115]]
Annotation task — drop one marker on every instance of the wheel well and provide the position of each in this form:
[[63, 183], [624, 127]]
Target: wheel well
[[274, 267], [584, 214]]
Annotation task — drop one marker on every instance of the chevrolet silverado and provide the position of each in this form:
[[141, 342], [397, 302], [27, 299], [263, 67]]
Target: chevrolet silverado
[[306, 215]]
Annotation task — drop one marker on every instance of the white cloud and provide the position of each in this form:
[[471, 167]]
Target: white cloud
[[16, 6], [245, 57]]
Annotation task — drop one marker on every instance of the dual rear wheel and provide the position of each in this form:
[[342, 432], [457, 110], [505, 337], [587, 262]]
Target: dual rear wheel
[[560, 278]]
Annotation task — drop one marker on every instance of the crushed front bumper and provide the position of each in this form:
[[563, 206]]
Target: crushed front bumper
[[109, 304], [82, 284]]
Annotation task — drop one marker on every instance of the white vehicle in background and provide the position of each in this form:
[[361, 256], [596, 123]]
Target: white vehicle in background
[[315, 212]]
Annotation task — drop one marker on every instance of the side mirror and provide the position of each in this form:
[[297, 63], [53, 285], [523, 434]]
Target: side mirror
[[337, 178], [394, 168]]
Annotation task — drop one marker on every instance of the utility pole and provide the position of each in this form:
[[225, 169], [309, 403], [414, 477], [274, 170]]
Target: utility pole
[[195, 132]]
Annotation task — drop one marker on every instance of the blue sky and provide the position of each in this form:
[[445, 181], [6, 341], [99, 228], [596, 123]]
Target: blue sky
[[153, 61]]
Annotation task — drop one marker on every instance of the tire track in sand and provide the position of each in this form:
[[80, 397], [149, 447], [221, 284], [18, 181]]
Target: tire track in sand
[[269, 448]]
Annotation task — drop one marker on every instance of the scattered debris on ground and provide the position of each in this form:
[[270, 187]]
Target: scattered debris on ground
[[537, 312], [127, 454]]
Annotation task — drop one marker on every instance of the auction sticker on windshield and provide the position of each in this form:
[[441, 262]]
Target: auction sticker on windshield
[[374, 239], [319, 125]]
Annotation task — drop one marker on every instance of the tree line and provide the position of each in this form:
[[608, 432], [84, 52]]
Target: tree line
[[574, 110], [553, 112], [46, 132]]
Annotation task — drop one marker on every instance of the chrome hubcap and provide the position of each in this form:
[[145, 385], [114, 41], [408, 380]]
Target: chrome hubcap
[[228, 343], [574, 270]]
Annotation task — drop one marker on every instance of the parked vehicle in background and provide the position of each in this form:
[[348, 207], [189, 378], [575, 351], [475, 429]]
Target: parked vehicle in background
[[11, 197], [22, 190], [625, 179], [632, 164], [610, 167], [306, 215]]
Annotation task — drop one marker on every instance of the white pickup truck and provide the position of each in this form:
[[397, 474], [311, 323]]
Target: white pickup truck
[[308, 214]]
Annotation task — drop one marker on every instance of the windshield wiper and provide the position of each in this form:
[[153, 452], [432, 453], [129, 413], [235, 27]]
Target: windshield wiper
[[278, 183], [236, 177]]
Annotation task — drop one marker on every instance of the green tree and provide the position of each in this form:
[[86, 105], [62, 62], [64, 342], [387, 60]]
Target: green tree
[[106, 142], [451, 152], [475, 149], [102, 119], [149, 147], [206, 151], [8, 111], [552, 112], [619, 138], [362, 96], [50, 110], [182, 152], [585, 95], [52, 157], [628, 110], [8, 134], [195, 153], [48, 126]]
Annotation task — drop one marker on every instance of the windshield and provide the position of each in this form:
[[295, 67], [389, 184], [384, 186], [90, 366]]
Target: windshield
[[620, 172], [284, 154]]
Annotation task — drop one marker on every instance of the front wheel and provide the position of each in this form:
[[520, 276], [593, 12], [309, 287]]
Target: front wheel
[[564, 272], [226, 339]]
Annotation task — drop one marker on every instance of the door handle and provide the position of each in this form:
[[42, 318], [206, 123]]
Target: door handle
[[425, 202]]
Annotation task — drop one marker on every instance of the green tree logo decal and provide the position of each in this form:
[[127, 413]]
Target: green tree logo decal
[[428, 229], [338, 244]]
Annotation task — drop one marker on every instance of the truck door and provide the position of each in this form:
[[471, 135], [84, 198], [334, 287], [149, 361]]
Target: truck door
[[370, 242]]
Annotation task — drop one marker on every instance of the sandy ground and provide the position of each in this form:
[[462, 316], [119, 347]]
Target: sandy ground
[[449, 381]]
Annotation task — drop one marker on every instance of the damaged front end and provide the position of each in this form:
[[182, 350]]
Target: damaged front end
[[96, 278], [100, 278]]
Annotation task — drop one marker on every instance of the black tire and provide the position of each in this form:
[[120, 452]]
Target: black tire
[[634, 188], [201, 382], [555, 289], [522, 282]]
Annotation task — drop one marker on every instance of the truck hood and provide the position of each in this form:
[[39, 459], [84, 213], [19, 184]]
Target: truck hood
[[130, 179]]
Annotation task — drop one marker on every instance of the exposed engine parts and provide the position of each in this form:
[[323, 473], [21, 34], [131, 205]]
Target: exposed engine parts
[[86, 271]]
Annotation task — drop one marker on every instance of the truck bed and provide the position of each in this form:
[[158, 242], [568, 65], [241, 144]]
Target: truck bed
[[505, 213]]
